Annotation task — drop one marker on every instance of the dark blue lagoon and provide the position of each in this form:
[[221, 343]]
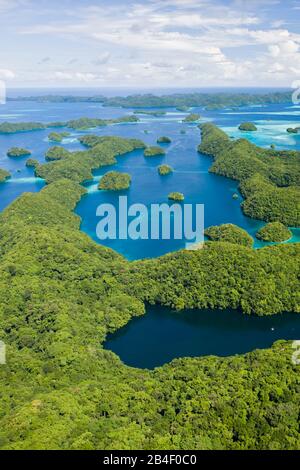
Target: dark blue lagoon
[[162, 335]]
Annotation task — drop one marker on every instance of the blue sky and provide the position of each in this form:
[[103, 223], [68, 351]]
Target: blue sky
[[149, 43]]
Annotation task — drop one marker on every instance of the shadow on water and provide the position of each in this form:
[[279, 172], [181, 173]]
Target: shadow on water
[[162, 334]]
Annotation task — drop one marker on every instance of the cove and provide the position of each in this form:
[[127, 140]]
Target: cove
[[162, 335]]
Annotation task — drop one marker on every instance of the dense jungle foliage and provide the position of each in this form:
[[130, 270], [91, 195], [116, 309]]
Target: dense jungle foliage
[[269, 179], [61, 293]]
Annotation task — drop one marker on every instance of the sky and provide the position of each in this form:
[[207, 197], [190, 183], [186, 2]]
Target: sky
[[149, 43]]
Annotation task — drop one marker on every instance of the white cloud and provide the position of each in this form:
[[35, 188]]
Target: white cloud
[[6, 74]]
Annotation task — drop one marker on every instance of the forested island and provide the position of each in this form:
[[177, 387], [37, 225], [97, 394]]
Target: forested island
[[229, 233], [181, 101], [164, 140], [154, 151], [31, 163], [247, 126], [164, 170], [56, 153], [58, 136], [274, 232], [269, 179], [293, 130], [115, 181], [4, 175], [193, 117], [76, 124], [155, 113], [18, 152], [175, 196], [12, 127]]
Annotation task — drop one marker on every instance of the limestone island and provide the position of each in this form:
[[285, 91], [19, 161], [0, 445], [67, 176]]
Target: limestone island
[[32, 163], [165, 170], [247, 126], [293, 130], [164, 140], [229, 233], [154, 151], [150, 113], [176, 196], [58, 136], [115, 181], [4, 175], [18, 152], [11, 127], [235, 196], [183, 109], [193, 117], [274, 232], [56, 153]]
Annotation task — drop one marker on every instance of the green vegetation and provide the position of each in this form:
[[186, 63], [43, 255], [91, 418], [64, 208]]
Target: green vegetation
[[115, 181], [181, 101], [76, 124], [56, 153], [11, 127], [154, 151], [78, 166], [274, 232], [58, 136], [4, 175], [293, 130], [175, 196], [165, 170], [247, 126], [18, 152], [193, 117], [164, 140], [269, 179], [229, 233], [32, 163], [61, 294], [155, 113], [90, 123], [207, 100], [183, 109]]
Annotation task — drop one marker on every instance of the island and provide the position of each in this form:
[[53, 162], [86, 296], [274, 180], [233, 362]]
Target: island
[[90, 123], [58, 136], [151, 113], [183, 109], [193, 117], [56, 153], [164, 140], [274, 232], [154, 151], [293, 130], [165, 170], [229, 233], [4, 175], [12, 127], [18, 152], [115, 181], [247, 126], [269, 179], [235, 196], [32, 163], [175, 196]]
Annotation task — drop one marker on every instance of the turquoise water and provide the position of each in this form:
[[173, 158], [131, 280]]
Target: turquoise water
[[190, 175], [163, 335]]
